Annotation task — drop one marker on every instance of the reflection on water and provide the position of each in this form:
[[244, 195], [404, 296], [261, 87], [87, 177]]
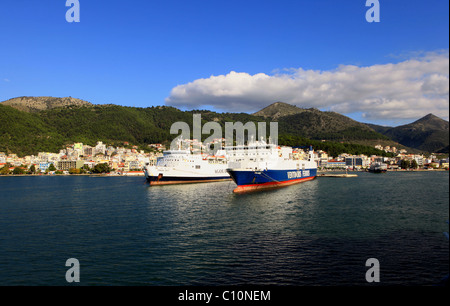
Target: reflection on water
[[320, 232]]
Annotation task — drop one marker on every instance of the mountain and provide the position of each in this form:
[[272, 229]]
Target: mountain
[[429, 134], [278, 109], [319, 125], [36, 104]]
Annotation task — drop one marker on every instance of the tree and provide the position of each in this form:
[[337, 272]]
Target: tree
[[74, 171], [405, 164], [414, 164], [32, 169], [18, 170], [51, 168], [101, 168], [5, 169]]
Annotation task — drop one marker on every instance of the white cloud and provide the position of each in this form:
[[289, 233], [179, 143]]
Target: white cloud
[[408, 89]]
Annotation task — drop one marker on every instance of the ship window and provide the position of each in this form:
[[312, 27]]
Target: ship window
[[197, 166]]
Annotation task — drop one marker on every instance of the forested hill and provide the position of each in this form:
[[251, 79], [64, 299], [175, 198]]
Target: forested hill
[[429, 133], [50, 130], [26, 133]]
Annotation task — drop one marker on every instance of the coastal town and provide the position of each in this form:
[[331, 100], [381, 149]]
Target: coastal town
[[128, 160]]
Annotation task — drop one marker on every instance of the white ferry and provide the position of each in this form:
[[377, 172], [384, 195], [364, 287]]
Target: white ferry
[[260, 165], [181, 166]]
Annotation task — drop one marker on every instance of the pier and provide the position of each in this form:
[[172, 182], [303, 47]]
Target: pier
[[337, 175]]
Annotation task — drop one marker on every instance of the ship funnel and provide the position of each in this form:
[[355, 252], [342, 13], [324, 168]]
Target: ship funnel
[[311, 154]]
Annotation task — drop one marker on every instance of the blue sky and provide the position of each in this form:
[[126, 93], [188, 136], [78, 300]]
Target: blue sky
[[226, 55]]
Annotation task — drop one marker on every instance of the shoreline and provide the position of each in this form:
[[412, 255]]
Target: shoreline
[[143, 175], [85, 174], [388, 170]]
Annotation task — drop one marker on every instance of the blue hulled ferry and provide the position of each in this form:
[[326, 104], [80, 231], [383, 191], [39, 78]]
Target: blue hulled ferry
[[260, 165]]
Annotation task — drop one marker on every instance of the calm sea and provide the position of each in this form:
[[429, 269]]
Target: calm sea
[[321, 232]]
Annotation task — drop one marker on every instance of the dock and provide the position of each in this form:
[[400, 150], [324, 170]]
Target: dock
[[337, 175]]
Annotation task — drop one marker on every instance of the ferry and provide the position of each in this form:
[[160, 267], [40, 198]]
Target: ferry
[[260, 165], [181, 166], [378, 167]]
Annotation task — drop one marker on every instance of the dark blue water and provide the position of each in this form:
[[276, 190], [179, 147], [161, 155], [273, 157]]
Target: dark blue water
[[321, 232]]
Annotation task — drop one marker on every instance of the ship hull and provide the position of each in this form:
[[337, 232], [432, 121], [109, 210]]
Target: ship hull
[[161, 176], [377, 170], [251, 180], [173, 180]]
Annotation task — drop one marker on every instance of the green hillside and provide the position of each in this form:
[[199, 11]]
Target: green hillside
[[24, 133], [50, 130], [429, 134], [316, 124]]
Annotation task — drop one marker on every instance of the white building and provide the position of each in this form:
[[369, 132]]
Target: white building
[[99, 148]]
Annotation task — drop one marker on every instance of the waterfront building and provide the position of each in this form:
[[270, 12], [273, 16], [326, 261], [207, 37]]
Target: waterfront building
[[43, 166], [322, 158], [66, 165], [419, 160], [132, 165], [354, 162], [335, 164], [114, 165], [90, 164]]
